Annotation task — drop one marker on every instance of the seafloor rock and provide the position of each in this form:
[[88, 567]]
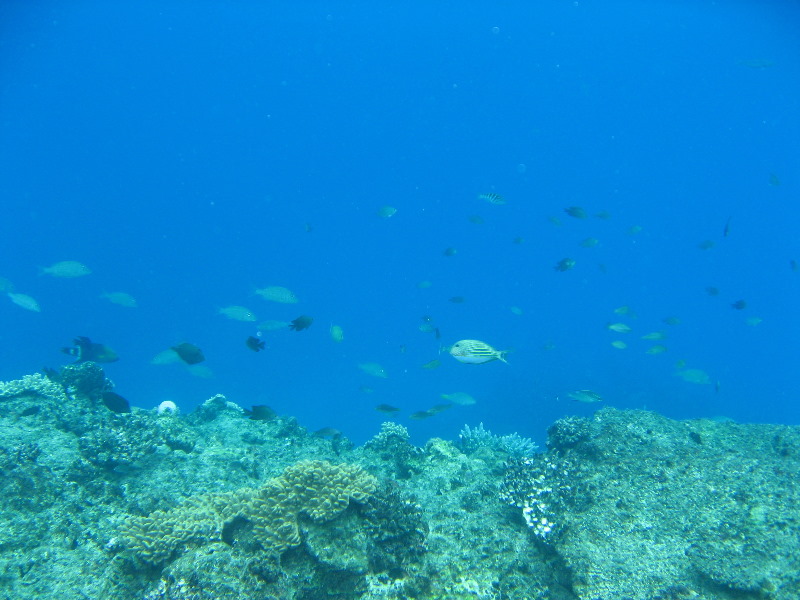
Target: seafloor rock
[[626, 505]]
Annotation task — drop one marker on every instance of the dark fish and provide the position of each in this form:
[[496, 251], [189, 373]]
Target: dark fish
[[450, 252], [457, 299], [260, 412], [115, 402], [706, 245], [387, 408], [328, 432], [794, 265], [565, 264], [437, 333], [518, 240], [86, 350], [727, 229], [712, 291], [189, 353], [435, 410], [301, 322], [52, 375], [739, 305], [422, 414], [254, 343], [576, 211]]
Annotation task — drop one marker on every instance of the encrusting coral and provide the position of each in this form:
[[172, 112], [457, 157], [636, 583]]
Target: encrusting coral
[[317, 488]]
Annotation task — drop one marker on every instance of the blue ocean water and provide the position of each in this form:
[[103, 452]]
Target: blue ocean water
[[190, 153]]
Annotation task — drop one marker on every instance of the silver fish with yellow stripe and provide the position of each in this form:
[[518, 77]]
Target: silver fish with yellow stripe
[[475, 352]]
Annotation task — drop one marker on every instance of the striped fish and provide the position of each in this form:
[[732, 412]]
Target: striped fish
[[475, 352], [492, 198]]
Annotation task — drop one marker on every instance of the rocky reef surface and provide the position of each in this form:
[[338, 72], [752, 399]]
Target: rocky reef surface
[[213, 505]]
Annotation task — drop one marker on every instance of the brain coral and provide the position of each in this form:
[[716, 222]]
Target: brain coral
[[317, 488]]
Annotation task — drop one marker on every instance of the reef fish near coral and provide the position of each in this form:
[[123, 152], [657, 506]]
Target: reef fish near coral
[[301, 322], [475, 352], [86, 350]]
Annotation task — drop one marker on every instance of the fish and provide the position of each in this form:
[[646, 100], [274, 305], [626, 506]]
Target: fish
[[565, 264], [475, 219], [492, 198], [24, 301], [387, 409], [116, 403], [276, 293], [739, 305], [260, 412], [435, 410], [450, 252], [518, 240], [516, 310], [301, 322], [386, 212], [590, 242], [328, 432], [657, 349], [603, 214], [274, 325], [773, 180], [86, 350], [120, 298], [671, 321], [337, 333], [66, 268], [619, 328], [165, 357], [634, 229], [457, 299], [712, 291], [237, 313], [794, 265], [432, 364], [201, 371], [576, 211], [475, 352], [694, 376], [373, 369], [461, 398], [753, 321], [727, 228], [619, 344], [656, 335], [554, 221], [254, 343], [424, 285], [706, 245], [421, 414], [585, 396], [623, 310], [189, 353]]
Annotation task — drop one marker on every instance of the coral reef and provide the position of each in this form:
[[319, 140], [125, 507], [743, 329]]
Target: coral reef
[[316, 488], [474, 439], [212, 504]]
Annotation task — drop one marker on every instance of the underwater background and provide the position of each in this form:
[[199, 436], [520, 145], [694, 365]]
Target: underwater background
[[191, 153]]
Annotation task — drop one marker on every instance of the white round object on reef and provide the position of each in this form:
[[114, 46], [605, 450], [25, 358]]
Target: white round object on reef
[[167, 407]]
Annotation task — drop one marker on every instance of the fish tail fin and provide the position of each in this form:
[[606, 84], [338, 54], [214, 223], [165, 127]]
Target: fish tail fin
[[502, 355]]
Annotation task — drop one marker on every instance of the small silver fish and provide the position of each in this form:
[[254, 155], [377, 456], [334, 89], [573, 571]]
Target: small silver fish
[[475, 352], [67, 269]]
